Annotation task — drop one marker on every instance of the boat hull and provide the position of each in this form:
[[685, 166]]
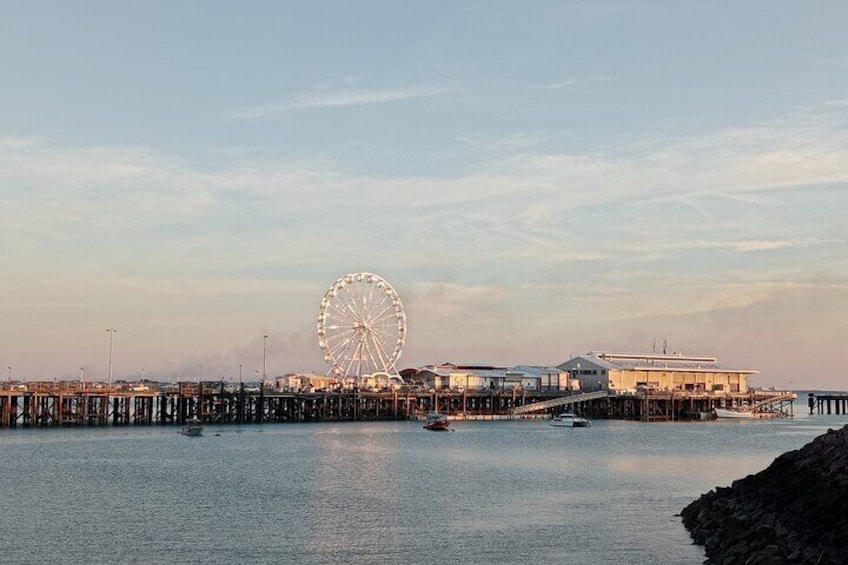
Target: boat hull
[[436, 422], [570, 421], [737, 414], [437, 427]]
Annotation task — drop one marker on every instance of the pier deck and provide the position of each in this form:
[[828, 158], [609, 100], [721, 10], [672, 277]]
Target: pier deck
[[46, 405], [828, 403]]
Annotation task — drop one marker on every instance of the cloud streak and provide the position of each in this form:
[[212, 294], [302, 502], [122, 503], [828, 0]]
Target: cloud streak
[[335, 99]]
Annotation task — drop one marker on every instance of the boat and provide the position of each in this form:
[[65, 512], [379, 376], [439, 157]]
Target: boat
[[436, 422], [193, 428], [569, 420], [728, 413]]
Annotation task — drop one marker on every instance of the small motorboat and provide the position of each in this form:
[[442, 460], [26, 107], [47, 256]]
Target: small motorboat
[[436, 422], [193, 428], [569, 420]]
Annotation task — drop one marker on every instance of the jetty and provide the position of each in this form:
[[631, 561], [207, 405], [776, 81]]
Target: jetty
[[828, 403], [74, 404]]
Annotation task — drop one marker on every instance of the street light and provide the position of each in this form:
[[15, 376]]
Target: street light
[[10, 373], [264, 358], [111, 332]]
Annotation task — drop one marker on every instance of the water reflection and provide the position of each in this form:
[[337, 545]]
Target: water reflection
[[491, 492]]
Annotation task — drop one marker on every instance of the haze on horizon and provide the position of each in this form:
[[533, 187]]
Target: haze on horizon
[[536, 181]]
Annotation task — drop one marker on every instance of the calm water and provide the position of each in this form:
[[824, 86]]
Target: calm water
[[489, 492]]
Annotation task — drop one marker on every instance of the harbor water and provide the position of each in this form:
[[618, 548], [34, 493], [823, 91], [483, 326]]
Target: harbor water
[[360, 493]]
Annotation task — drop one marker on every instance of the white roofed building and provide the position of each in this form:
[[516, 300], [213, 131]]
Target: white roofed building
[[542, 378], [629, 372]]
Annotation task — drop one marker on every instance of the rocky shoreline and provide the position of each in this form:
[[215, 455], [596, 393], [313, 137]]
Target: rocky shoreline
[[794, 511]]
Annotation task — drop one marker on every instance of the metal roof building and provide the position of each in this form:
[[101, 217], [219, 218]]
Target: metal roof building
[[635, 371]]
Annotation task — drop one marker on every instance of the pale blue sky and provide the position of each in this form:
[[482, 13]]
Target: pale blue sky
[[535, 179]]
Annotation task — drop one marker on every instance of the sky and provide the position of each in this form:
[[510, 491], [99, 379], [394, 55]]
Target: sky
[[536, 180]]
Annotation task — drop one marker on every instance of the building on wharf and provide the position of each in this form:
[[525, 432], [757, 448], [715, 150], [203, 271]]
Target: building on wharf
[[632, 372]]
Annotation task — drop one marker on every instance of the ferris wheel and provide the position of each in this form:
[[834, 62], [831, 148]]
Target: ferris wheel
[[361, 325]]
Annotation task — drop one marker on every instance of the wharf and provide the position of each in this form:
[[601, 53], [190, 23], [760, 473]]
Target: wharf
[[63, 405], [828, 403]]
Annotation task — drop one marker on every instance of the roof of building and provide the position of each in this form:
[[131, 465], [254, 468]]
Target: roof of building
[[657, 362], [533, 370]]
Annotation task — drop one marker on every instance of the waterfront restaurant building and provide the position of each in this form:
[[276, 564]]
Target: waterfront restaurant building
[[490, 377], [630, 372]]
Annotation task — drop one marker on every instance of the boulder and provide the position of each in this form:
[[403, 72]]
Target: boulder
[[793, 511]]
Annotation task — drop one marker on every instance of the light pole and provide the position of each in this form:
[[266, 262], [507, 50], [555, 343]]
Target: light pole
[[239, 373], [10, 373], [82, 378], [111, 332], [264, 358]]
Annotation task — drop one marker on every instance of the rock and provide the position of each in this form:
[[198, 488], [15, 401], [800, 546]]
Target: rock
[[739, 548], [794, 511]]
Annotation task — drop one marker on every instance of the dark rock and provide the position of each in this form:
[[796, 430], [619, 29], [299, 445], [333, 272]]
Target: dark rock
[[739, 548], [794, 511]]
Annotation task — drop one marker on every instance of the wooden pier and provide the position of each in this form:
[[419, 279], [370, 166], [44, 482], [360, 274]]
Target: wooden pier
[[828, 403], [42, 405]]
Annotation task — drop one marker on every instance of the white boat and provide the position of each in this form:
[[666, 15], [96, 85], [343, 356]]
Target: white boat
[[193, 427], [728, 413], [569, 420]]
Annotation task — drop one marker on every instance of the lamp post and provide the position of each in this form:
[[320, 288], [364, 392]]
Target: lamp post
[[239, 373], [82, 378], [111, 332], [264, 358], [10, 373]]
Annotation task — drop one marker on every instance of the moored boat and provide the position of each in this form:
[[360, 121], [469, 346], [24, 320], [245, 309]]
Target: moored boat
[[436, 422], [569, 420], [729, 413], [193, 428]]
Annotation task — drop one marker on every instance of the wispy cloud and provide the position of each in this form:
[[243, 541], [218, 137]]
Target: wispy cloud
[[744, 246], [577, 81], [322, 98]]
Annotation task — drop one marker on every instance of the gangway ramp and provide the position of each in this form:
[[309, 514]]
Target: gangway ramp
[[562, 401], [777, 399]]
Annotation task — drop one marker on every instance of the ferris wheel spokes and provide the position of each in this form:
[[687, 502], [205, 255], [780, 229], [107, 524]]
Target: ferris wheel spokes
[[361, 325]]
